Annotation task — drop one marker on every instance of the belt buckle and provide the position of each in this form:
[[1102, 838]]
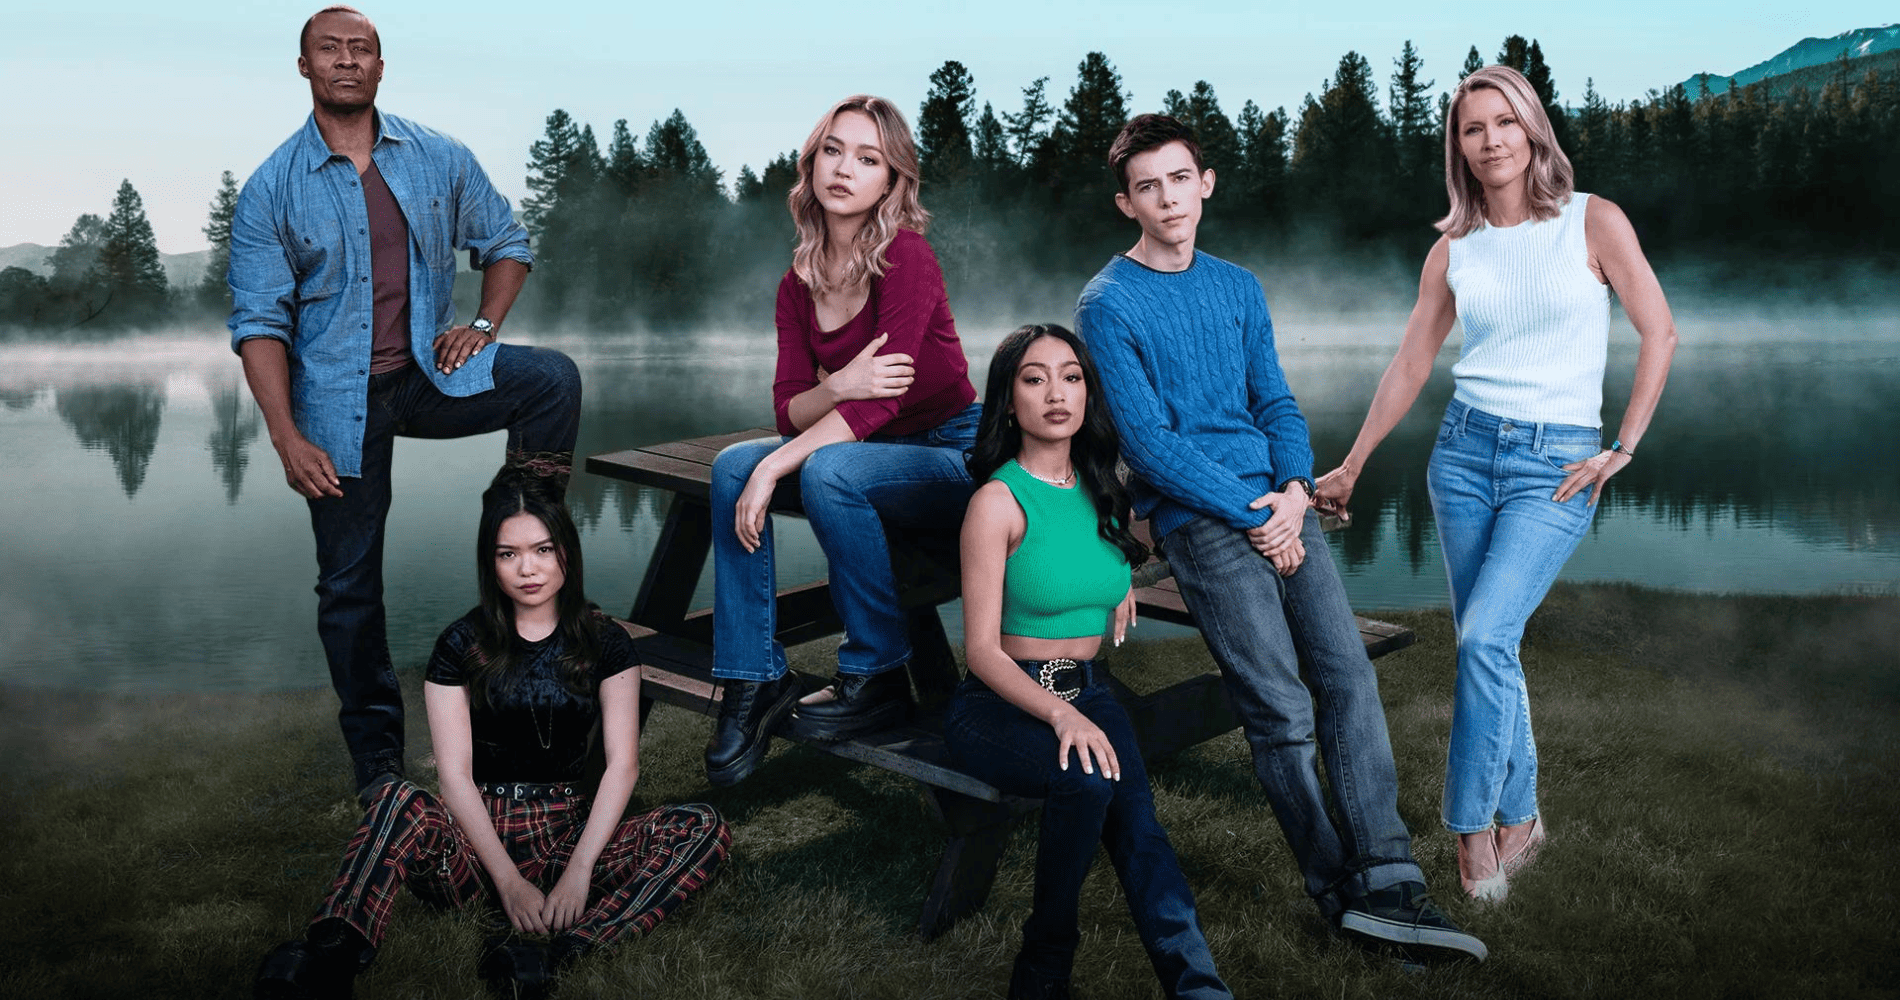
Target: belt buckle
[[1046, 676]]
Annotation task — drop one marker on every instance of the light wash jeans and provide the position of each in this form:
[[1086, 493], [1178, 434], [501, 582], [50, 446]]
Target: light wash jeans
[[850, 491], [1263, 628], [1491, 480]]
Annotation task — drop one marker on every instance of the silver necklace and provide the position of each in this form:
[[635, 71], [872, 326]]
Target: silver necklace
[[548, 740], [1062, 482]]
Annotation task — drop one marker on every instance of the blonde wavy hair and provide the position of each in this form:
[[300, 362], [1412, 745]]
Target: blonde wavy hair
[[1550, 175], [897, 209]]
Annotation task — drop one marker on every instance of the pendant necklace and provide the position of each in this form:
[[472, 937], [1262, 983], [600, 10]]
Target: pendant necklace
[[1062, 483]]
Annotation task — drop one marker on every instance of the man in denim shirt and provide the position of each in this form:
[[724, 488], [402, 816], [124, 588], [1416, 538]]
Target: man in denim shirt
[[342, 263]]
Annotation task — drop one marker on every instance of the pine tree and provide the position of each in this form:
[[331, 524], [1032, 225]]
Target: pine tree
[[218, 230], [1262, 139], [674, 153], [1516, 53], [747, 188], [1473, 63], [1409, 104], [943, 125], [990, 143], [1342, 157], [780, 175], [1025, 130], [78, 252], [1095, 111], [549, 160], [1538, 74], [1200, 111], [128, 257], [625, 167]]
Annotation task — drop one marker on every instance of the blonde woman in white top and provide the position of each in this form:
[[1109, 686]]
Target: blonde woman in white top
[[1528, 265]]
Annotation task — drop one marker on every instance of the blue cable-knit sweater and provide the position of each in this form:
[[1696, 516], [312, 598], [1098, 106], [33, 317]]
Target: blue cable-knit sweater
[[1188, 364]]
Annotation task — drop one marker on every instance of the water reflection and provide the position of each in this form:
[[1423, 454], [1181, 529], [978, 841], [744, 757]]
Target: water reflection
[[235, 423], [121, 420], [1768, 469]]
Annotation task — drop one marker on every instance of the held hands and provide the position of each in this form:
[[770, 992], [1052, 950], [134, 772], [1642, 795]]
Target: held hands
[[1092, 749], [1334, 490], [455, 345], [871, 375], [1593, 472], [307, 468], [1279, 538], [1124, 616]]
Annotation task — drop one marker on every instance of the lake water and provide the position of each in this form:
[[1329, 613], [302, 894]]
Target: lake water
[[151, 545]]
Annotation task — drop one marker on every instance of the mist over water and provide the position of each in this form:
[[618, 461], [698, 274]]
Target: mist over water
[[152, 544]]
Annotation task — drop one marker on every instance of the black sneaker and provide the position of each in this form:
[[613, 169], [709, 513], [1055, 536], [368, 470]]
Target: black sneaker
[[1405, 915]]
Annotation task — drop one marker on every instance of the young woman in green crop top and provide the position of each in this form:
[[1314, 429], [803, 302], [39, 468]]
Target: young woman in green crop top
[[1046, 561]]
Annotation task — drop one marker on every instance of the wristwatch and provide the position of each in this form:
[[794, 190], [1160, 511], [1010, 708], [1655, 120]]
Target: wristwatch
[[482, 326], [1303, 481]]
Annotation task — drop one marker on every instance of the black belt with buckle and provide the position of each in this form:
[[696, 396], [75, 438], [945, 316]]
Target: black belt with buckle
[[1062, 677], [528, 791]]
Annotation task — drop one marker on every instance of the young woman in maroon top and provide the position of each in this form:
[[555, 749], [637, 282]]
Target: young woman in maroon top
[[876, 409]]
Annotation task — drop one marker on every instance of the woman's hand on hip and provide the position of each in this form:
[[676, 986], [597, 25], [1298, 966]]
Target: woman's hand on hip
[[871, 375], [523, 903], [566, 901], [1092, 749], [1592, 472]]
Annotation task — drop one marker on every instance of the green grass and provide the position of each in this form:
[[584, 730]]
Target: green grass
[[1718, 776]]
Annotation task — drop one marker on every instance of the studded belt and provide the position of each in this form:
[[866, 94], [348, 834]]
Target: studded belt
[[528, 790]]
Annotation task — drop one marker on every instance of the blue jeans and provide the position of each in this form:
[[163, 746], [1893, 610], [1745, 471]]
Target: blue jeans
[[849, 491], [1262, 628], [1491, 481], [537, 397], [1016, 752]]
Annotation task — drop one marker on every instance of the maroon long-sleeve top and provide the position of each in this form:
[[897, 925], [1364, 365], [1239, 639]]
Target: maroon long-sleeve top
[[910, 304]]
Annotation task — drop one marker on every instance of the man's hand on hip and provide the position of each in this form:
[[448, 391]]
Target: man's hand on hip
[[457, 344]]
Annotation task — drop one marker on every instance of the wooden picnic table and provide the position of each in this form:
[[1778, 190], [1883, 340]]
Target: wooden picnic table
[[675, 644]]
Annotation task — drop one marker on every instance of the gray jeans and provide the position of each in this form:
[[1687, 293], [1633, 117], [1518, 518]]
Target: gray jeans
[[1306, 693]]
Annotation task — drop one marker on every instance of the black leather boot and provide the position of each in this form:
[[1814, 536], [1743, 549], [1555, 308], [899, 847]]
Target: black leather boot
[[518, 970], [321, 966], [748, 712], [861, 704]]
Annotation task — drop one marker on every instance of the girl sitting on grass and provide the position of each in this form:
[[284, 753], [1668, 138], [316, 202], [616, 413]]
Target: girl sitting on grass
[[1046, 562], [516, 691]]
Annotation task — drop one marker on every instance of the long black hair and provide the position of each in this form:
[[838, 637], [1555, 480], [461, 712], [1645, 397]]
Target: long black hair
[[1094, 449], [492, 666]]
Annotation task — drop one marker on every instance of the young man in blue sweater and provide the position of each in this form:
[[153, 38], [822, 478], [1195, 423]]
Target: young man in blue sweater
[[1223, 467]]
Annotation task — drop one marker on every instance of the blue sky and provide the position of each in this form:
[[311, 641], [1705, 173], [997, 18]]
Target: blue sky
[[169, 95]]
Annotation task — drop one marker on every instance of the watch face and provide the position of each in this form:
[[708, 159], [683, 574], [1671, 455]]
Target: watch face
[[482, 325]]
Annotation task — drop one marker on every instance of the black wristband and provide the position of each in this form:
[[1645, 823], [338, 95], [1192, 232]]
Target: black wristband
[[1303, 481]]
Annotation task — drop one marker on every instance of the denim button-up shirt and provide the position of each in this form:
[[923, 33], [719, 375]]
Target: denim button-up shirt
[[300, 267]]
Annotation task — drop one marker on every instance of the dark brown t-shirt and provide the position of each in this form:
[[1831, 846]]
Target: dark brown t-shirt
[[389, 271]]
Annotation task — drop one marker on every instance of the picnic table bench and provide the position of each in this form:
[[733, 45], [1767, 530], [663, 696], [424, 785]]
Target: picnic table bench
[[675, 645]]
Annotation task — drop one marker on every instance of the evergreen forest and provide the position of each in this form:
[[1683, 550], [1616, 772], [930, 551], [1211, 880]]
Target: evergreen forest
[[645, 230]]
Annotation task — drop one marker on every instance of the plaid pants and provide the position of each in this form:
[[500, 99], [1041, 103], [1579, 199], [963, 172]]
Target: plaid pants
[[654, 861]]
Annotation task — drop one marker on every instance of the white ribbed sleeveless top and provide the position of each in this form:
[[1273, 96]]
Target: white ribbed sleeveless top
[[1536, 320]]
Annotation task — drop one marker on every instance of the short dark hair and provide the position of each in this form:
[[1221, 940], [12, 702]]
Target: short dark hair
[[1146, 132], [303, 37]]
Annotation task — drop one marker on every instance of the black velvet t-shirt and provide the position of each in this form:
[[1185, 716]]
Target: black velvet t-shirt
[[536, 729]]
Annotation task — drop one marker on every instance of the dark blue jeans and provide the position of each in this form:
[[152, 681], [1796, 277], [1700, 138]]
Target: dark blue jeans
[[537, 398], [1005, 746], [1297, 672]]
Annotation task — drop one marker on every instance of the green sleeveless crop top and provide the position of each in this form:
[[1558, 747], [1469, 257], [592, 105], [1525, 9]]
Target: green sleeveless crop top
[[1064, 580]]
